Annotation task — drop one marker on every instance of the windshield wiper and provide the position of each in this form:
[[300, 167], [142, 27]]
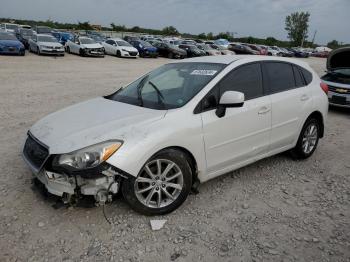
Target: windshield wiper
[[139, 89], [160, 96]]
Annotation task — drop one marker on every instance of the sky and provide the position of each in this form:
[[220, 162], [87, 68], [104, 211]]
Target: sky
[[258, 18]]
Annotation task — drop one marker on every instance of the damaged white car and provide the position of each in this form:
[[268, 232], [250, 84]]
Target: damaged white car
[[181, 124]]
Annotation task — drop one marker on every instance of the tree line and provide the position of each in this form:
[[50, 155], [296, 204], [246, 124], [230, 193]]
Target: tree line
[[296, 25]]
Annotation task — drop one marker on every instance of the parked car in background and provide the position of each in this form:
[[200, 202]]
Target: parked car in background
[[145, 49], [43, 30], [23, 35], [192, 50], [45, 44], [176, 42], [222, 42], [257, 48], [298, 52], [63, 37], [286, 52], [8, 27], [223, 50], [97, 37], [85, 46], [128, 38], [9, 44], [199, 41], [338, 77], [188, 42], [208, 49], [209, 42], [178, 126], [322, 54], [272, 51], [169, 50], [119, 48], [242, 49]]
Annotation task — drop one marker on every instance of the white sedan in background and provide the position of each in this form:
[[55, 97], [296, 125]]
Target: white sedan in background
[[177, 126], [85, 46], [45, 44], [119, 48]]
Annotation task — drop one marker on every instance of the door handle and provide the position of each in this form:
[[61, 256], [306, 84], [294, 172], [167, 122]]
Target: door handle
[[264, 110], [304, 97]]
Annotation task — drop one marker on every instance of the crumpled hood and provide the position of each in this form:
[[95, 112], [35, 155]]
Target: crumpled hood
[[339, 58], [92, 122], [95, 45]]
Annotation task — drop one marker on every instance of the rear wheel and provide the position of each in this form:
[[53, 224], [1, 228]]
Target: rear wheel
[[38, 51], [162, 185], [308, 139], [170, 55]]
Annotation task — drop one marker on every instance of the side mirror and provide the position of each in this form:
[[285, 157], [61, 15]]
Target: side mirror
[[229, 99]]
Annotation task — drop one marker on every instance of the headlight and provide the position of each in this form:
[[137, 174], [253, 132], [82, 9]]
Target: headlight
[[89, 157], [125, 50]]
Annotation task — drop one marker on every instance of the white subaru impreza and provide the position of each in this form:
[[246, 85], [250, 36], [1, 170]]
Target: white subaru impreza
[[176, 127]]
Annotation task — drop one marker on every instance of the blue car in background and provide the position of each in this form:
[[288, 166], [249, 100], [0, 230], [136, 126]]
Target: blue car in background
[[145, 49], [63, 37], [222, 42], [9, 44]]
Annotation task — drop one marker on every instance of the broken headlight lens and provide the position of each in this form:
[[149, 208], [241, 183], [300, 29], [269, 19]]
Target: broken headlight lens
[[89, 157]]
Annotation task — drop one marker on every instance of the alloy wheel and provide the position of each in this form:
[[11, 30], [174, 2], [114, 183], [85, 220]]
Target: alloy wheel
[[309, 138], [159, 183]]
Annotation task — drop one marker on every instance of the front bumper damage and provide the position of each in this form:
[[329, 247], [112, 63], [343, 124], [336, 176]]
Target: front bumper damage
[[101, 182]]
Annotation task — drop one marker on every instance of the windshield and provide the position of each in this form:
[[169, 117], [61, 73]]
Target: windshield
[[46, 38], [169, 86], [11, 26], [222, 42], [146, 44], [43, 30], [27, 32], [6, 36], [85, 41], [123, 43]]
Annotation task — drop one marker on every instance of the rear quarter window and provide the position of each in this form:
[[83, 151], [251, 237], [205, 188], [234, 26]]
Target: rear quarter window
[[307, 75], [278, 76]]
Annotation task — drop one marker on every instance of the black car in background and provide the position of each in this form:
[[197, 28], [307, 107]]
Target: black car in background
[[192, 50], [23, 35], [128, 38], [43, 30], [169, 50], [298, 53], [242, 49]]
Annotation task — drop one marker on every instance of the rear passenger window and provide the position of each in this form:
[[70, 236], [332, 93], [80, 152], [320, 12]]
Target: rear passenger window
[[307, 75], [279, 76], [299, 81], [245, 79]]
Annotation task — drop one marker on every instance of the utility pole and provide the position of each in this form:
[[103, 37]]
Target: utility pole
[[313, 38]]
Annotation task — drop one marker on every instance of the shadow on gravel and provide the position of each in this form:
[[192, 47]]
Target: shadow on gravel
[[340, 110]]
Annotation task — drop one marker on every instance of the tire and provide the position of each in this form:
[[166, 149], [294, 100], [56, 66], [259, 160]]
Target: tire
[[22, 53], [179, 175], [170, 55], [68, 50], [307, 142], [118, 54], [38, 51]]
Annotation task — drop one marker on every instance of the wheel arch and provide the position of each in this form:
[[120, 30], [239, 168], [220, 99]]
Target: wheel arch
[[318, 115], [190, 158]]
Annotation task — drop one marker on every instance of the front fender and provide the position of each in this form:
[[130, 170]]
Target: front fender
[[171, 131]]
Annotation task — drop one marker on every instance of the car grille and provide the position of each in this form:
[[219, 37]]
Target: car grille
[[133, 53], [339, 90], [35, 152], [339, 100]]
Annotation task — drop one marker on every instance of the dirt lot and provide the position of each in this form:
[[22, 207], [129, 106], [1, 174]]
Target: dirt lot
[[274, 210]]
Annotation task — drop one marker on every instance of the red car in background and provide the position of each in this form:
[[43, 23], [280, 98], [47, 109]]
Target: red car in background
[[259, 49]]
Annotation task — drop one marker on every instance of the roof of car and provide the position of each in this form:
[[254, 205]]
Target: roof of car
[[228, 59]]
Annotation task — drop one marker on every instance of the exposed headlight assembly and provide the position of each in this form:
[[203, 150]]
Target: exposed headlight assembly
[[88, 157]]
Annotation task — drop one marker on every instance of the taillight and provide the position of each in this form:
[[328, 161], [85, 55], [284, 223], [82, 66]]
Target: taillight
[[324, 87]]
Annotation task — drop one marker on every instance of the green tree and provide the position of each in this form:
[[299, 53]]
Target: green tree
[[333, 44], [297, 25], [170, 30], [84, 26], [202, 36], [210, 36]]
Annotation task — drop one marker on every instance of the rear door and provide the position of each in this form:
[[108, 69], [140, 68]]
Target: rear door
[[291, 100], [243, 133]]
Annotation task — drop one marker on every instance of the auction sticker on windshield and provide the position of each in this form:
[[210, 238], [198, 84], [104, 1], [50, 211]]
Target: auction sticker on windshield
[[204, 72]]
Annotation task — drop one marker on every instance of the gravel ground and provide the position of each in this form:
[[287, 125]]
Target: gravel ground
[[274, 210]]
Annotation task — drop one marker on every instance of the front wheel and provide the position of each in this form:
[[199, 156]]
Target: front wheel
[[162, 185], [308, 139]]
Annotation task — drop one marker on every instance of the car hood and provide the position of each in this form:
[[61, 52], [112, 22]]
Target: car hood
[[15, 43], [339, 58], [92, 122], [53, 44], [128, 48], [95, 45]]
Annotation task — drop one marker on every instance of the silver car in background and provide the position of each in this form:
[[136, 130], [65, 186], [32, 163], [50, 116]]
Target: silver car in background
[[45, 44]]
